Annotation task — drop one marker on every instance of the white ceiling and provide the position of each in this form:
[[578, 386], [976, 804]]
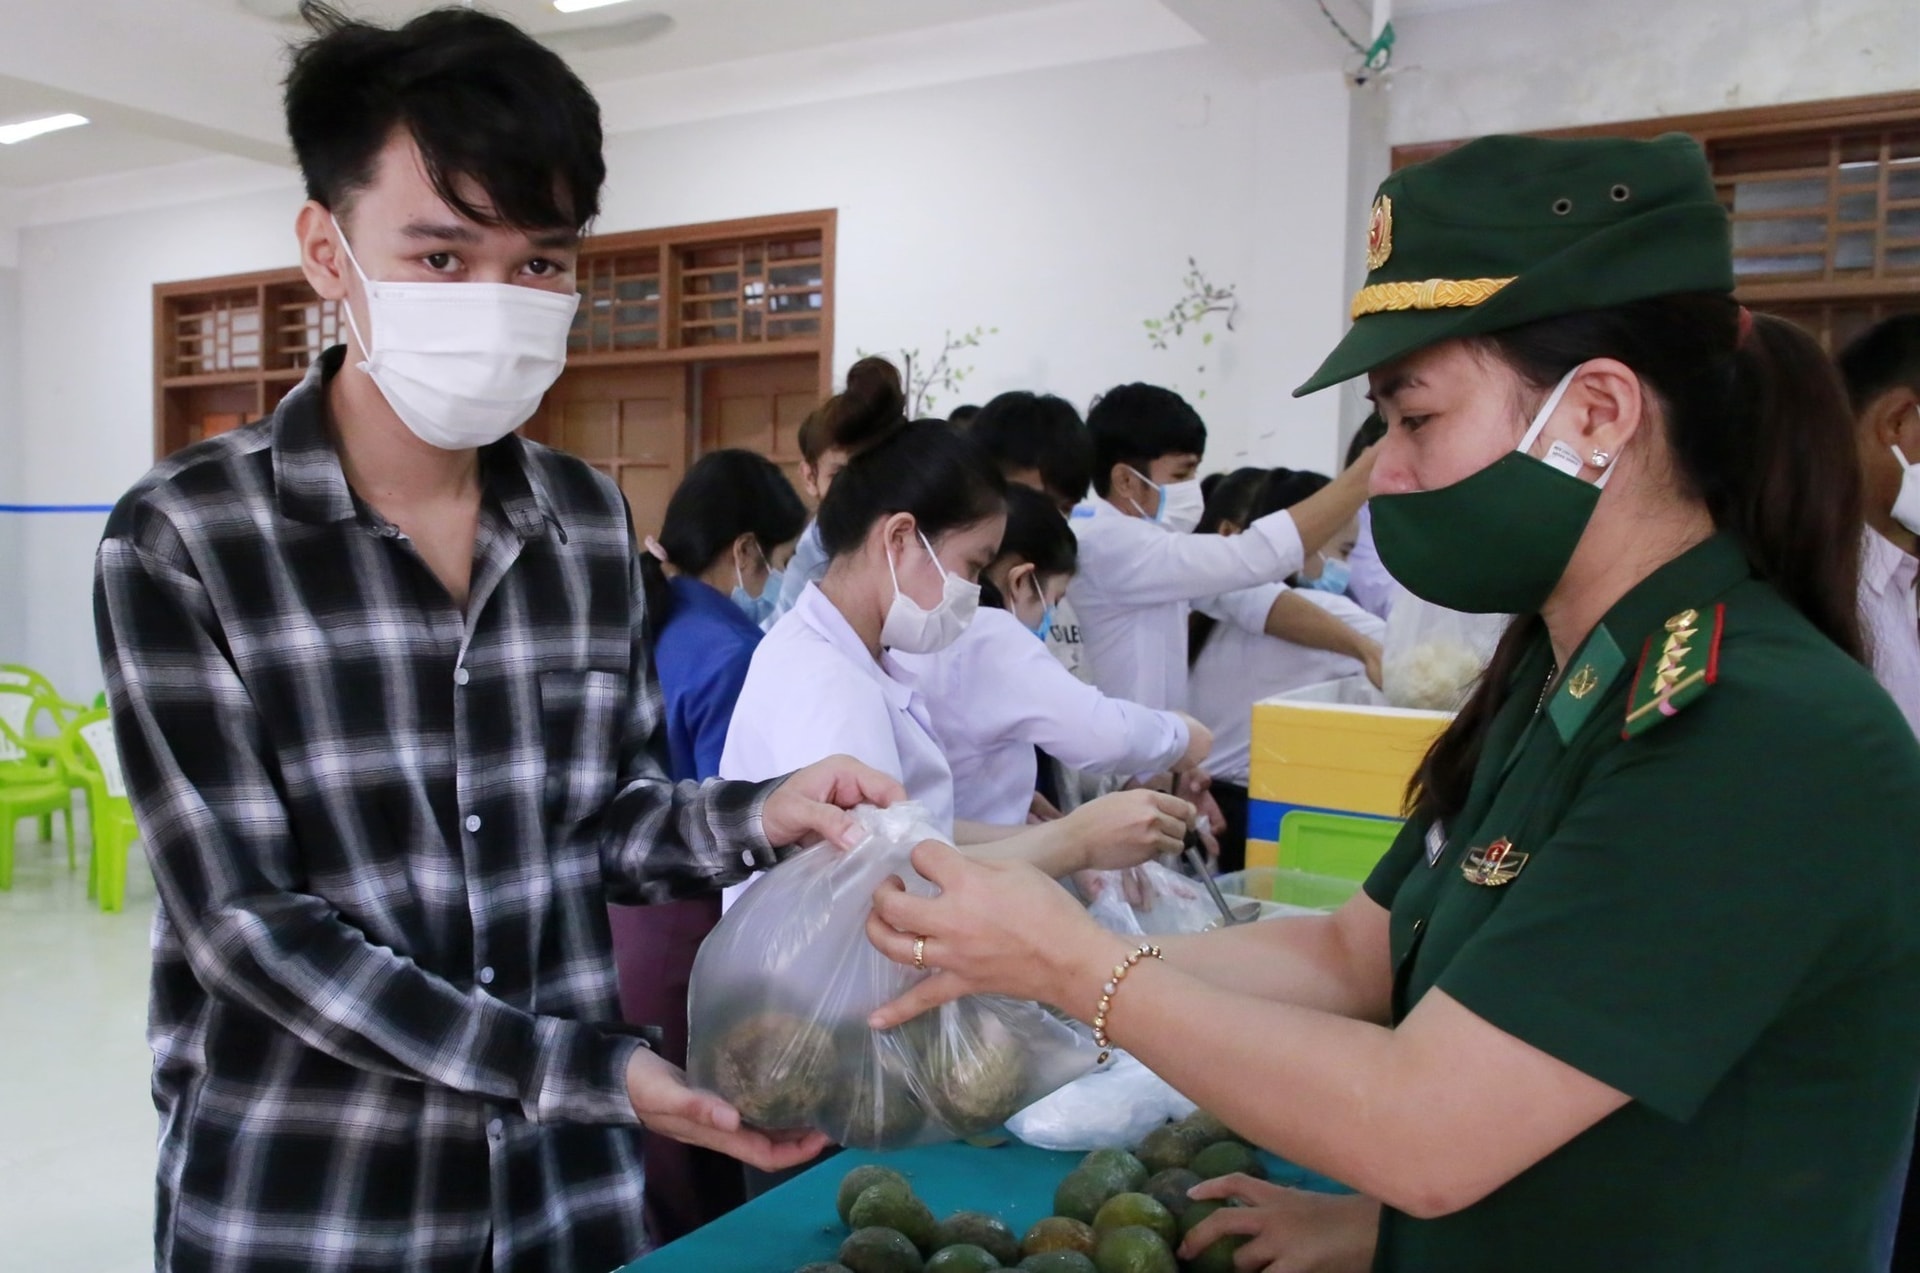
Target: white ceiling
[[172, 80]]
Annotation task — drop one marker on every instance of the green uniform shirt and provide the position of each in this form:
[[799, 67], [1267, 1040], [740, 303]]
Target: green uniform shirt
[[1719, 917]]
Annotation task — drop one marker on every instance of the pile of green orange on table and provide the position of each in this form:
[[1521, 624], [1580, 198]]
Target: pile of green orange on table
[[1117, 1212]]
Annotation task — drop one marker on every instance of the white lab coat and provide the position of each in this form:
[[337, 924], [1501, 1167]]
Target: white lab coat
[[813, 691], [1137, 581], [1241, 664], [996, 694]]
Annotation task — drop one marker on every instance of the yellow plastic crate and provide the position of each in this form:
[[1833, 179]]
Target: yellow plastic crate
[[1332, 748]]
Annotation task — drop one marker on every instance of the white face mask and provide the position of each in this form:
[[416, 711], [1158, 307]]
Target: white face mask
[[911, 629], [1181, 504], [1906, 508], [462, 364]]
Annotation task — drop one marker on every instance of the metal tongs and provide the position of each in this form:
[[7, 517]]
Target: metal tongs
[[1196, 856]]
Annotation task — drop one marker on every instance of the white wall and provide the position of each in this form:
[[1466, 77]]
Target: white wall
[[1533, 64], [12, 600], [1059, 206]]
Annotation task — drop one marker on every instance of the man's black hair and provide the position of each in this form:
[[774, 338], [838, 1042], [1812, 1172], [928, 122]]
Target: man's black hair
[[483, 100], [1885, 356], [1372, 429], [1022, 430], [963, 415], [1137, 424]]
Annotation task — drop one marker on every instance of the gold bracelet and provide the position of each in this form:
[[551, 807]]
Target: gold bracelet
[[1107, 992]]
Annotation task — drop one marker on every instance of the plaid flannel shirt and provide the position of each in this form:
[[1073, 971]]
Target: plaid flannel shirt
[[384, 833]]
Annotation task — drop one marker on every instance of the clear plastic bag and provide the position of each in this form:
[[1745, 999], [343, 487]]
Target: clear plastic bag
[[1113, 1108], [1432, 656], [1150, 900], [782, 990]]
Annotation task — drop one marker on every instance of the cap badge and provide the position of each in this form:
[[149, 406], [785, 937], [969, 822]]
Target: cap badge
[[1380, 233]]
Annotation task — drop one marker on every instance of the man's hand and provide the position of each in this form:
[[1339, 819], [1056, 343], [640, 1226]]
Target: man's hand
[[1287, 1230], [668, 1107], [812, 805]]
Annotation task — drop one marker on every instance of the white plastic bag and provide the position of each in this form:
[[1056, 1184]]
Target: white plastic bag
[[1113, 1108], [1150, 900], [1432, 656], [783, 987]]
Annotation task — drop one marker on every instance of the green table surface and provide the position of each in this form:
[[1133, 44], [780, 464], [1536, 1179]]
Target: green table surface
[[796, 1224]]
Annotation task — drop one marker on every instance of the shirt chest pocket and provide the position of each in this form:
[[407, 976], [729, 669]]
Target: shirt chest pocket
[[583, 715]]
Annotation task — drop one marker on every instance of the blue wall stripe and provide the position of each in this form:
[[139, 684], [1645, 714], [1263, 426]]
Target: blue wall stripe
[[1263, 817], [56, 508]]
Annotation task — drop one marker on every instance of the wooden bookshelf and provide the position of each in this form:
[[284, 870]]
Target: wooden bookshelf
[[688, 337]]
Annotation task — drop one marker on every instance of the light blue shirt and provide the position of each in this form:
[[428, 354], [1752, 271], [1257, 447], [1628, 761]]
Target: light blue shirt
[[809, 565]]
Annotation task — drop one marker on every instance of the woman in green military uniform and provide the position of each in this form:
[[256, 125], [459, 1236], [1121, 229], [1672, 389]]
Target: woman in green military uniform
[[1639, 985]]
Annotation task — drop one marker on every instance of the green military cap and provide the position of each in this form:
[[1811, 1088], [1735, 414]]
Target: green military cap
[[1507, 230]]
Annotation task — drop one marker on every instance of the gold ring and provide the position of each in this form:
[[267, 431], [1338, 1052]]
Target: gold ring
[[920, 954]]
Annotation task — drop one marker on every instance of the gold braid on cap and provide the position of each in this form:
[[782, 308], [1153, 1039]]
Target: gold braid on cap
[[1433, 293]]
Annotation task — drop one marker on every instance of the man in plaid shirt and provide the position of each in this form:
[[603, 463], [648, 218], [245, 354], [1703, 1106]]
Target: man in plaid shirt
[[379, 672]]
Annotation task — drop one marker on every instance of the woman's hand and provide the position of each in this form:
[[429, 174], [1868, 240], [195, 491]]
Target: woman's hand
[[812, 804], [1126, 829], [665, 1104], [1040, 810], [996, 928], [1287, 1230], [1369, 653]]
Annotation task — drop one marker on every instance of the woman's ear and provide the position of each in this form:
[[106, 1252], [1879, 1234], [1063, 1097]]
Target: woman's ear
[[1022, 576], [896, 532], [1609, 407]]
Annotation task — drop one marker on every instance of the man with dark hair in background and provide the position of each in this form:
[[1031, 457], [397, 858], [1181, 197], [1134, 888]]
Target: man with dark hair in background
[[1882, 371], [380, 679]]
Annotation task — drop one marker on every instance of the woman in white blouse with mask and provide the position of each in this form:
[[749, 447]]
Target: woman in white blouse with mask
[[998, 692], [909, 525]]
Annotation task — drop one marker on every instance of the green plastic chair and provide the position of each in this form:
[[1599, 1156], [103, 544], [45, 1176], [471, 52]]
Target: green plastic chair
[[1335, 845], [33, 781], [45, 721], [93, 761]]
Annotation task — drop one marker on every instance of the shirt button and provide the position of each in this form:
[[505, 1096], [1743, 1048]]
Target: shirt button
[[495, 1129], [473, 822], [486, 976], [460, 676]]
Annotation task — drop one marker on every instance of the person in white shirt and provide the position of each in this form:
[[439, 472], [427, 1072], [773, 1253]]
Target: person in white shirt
[[1040, 442], [1235, 660], [908, 526], [1882, 371], [1139, 568], [870, 382], [996, 694]]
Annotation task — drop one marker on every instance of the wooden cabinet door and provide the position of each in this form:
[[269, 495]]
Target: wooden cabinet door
[[757, 405], [631, 424]]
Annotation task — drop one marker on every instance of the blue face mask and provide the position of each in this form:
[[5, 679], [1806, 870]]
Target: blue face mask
[[759, 608], [1045, 625], [1334, 577]]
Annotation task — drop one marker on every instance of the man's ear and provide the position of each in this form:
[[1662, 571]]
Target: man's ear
[[322, 259], [1890, 414]]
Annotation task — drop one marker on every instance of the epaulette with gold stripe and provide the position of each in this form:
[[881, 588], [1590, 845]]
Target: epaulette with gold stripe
[[1687, 662]]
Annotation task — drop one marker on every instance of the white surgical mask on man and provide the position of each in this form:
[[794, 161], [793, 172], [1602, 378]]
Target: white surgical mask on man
[[461, 364], [1181, 503], [910, 628], [1906, 508]]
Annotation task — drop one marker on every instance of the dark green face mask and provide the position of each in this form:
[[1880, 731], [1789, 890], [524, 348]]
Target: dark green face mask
[[1496, 542]]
